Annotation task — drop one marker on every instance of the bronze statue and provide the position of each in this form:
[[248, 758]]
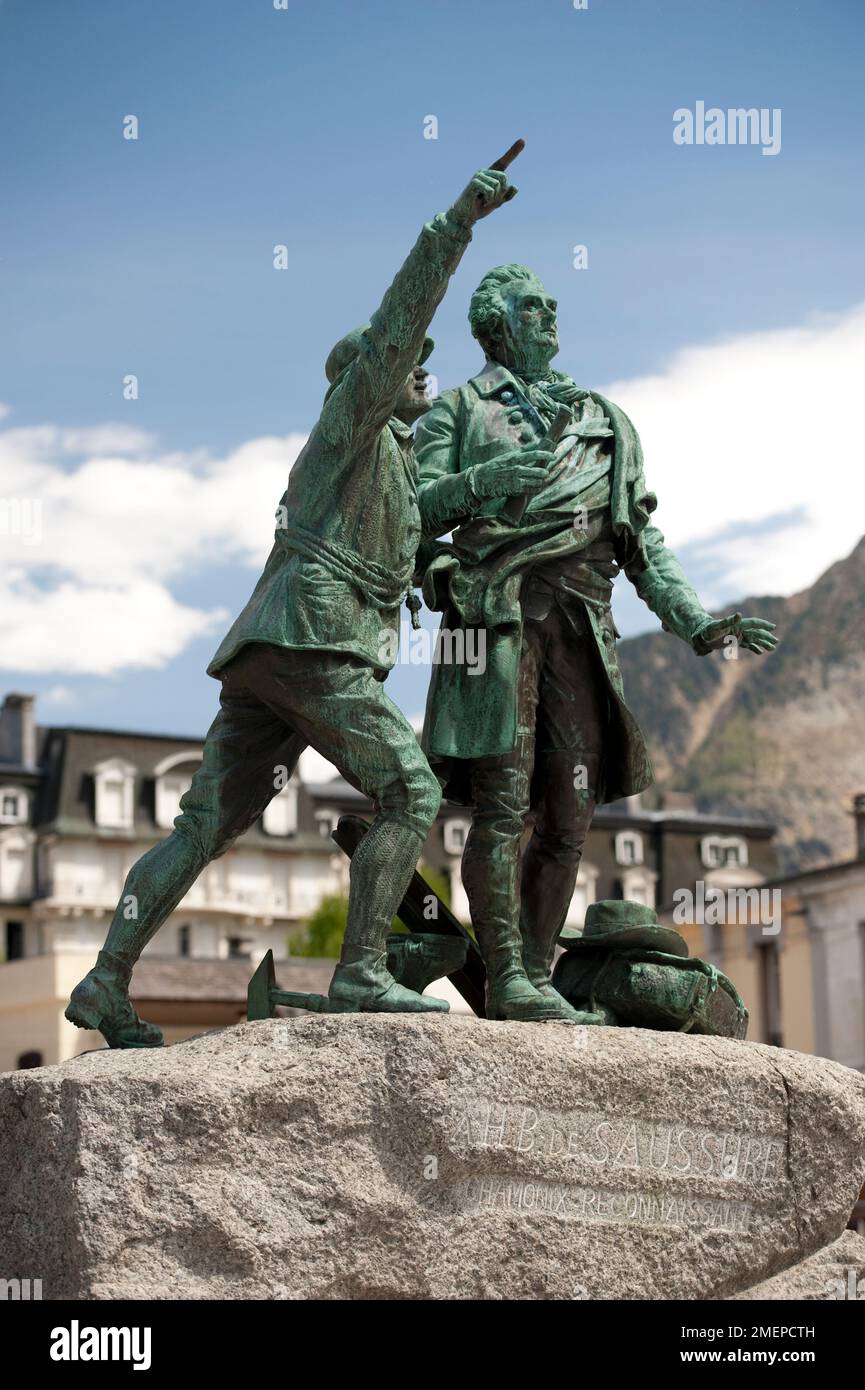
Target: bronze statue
[[305, 661], [545, 728], [542, 482]]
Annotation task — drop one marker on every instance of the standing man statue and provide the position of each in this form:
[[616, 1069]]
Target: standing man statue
[[531, 565], [305, 661]]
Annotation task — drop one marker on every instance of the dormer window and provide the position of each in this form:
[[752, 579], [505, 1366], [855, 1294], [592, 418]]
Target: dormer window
[[629, 847], [115, 786], [13, 806], [169, 790], [719, 851], [15, 866], [280, 815], [454, 835], [327, 822], [173, 777]]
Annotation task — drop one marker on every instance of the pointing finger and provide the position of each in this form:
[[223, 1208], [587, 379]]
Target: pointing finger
[[509, 155]]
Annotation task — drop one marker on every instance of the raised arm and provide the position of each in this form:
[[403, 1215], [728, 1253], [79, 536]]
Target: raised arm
[[364, 399]]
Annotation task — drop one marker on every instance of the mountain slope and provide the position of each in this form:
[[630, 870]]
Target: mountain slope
[[780, 735]]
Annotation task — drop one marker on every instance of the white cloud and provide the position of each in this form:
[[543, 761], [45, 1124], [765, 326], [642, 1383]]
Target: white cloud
[[94, 629], [752, 444], [94, 543], [47, 441], [754, 447], [58, 695]]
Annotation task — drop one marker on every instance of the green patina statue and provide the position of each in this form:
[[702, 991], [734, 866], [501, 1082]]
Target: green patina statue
[[637, 973], [304, 662], [545, 727], [542, 484]]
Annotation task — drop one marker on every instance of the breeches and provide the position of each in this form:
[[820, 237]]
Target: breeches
[[274, 703]]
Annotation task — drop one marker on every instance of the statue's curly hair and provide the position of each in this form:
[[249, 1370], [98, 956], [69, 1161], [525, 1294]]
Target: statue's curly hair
[[487, 306]]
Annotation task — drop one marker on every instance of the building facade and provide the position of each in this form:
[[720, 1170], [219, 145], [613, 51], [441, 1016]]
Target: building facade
[[827, 907], [78, 807]]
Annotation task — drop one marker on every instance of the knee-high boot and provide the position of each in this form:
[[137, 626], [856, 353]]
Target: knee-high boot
[[153, 888], [547, 889], [381, 869], [491, 887]]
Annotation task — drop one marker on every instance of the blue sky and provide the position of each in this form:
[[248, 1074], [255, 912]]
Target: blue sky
[[305, 127]]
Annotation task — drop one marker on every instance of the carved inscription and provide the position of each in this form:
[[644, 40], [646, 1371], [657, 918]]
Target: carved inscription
[[603, 1149], [618, 1144], [572, 1203]]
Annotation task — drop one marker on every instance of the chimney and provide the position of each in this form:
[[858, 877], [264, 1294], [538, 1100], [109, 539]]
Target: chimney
[[18, 731], [859, 821]]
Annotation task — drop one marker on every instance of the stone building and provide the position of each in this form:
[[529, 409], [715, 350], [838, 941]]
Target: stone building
[[795, 946], [78, 806], [828, 906]]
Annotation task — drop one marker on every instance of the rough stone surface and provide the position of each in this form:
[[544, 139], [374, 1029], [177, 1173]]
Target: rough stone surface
[[391, 1157], [837, 1272]]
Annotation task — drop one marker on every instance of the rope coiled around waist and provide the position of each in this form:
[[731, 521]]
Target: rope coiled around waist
[[383, 587]]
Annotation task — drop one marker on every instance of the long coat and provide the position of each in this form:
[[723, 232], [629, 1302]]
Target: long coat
[[476, 580]]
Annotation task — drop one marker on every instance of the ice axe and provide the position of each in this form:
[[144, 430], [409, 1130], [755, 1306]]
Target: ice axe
[[262, 996], [424, 913], [437, 945]]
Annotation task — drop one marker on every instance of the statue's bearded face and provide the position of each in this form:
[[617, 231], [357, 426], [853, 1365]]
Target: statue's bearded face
[[528, 331], [413, 401]]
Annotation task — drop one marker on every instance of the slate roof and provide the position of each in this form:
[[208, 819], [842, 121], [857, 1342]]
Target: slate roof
[[65, 804], [220, 981], [68, 754]]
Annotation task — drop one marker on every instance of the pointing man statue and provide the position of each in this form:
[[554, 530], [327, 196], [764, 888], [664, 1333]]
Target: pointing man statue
[[305, 661], [534, 553]]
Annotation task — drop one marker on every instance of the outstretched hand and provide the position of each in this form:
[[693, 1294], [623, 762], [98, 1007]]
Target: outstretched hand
[[488, 190], [754, 634]]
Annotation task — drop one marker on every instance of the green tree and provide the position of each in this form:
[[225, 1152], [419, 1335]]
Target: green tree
[[439, 883], [326, 927], [324, 930]]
